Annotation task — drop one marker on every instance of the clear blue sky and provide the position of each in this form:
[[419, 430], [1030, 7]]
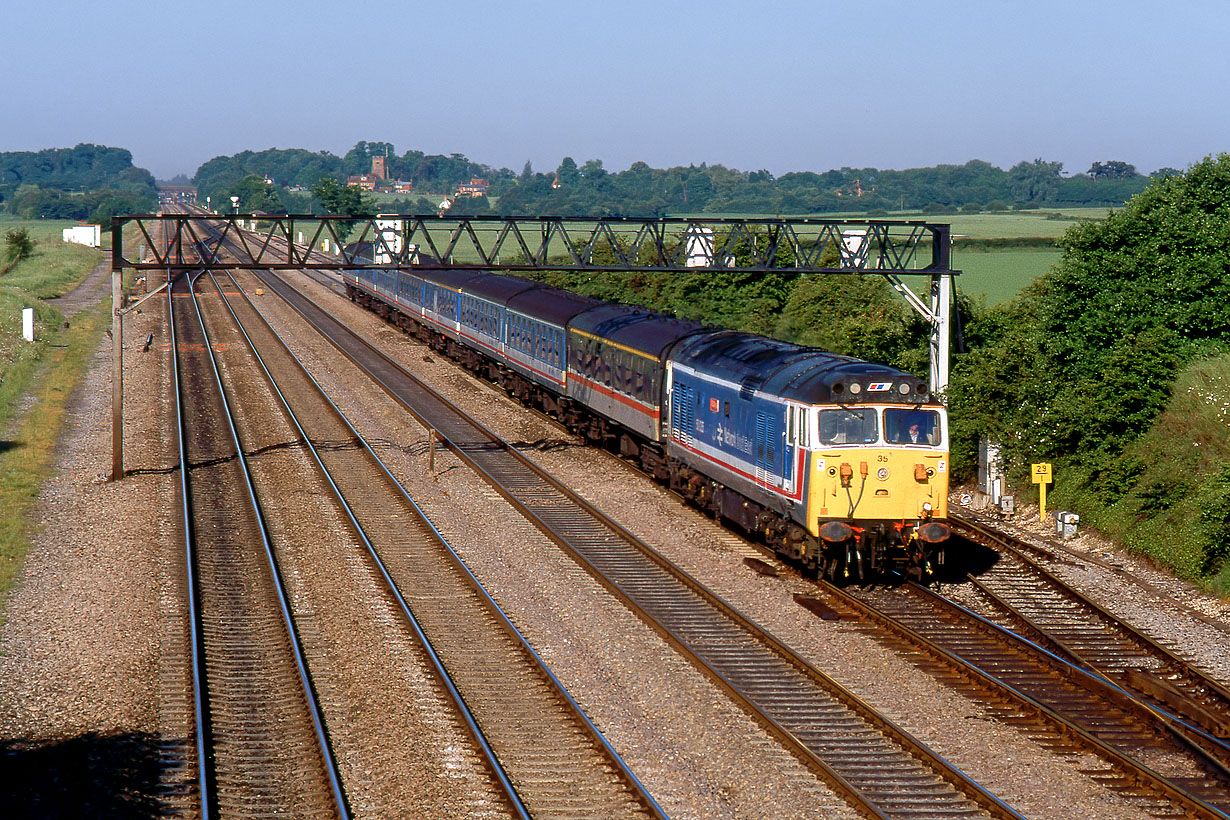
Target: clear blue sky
[[786, 86]]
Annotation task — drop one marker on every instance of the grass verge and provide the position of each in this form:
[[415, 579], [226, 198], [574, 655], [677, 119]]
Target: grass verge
[[27, 457], [37, 379]]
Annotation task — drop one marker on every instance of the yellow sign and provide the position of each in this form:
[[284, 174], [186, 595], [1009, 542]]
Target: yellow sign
[[1041, 475]]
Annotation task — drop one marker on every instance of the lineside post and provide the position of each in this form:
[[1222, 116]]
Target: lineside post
[[117, 374]]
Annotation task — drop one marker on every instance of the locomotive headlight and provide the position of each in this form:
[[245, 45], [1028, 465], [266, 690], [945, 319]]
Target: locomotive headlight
[[903, 388], [856, 388], [926, 506]]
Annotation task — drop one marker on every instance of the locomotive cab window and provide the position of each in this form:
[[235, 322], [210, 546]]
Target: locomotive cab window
[[797, 426], [849, 426], [912, 427]]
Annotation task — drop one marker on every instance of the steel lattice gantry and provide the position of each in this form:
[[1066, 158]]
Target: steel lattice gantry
[[172, 243]]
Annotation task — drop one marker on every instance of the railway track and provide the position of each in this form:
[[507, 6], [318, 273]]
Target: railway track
[[1022, 595], [873, 764], [260, 741], [545, 756], [551, 761], [1046, 695]]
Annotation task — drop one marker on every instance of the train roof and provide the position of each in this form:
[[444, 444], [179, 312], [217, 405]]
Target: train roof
[[499, 288], [549, 304], [804, 374], [455, 279], [635, 328]]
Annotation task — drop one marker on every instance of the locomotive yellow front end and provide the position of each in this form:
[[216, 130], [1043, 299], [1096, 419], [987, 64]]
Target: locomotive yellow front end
[[878, 489]]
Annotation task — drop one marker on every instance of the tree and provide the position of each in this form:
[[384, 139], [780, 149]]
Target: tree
[[255, 195], [567, 173], [697, 191], [1112, 169], [1034, 182], [592, 170], [343, 200]]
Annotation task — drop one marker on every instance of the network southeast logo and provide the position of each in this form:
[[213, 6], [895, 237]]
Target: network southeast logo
[[879, 386]]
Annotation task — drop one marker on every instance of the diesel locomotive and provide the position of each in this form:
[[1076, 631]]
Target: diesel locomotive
[[841, 465]]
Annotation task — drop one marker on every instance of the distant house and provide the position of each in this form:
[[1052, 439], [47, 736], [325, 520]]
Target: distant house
[[402, 186], [476, 187], [367, 182]]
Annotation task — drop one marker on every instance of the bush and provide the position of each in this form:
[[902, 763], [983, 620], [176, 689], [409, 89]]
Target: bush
[[19, 244]]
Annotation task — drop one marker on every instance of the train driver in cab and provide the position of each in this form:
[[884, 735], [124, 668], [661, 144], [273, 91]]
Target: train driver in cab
[[913, 427]]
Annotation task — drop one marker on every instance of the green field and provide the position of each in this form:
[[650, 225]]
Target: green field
[[998, 276], [1014, 225]]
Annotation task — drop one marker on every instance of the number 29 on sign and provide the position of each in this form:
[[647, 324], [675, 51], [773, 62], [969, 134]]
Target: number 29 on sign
[[1041, 474]]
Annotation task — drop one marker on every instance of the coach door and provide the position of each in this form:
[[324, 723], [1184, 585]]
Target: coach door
[[793, 437]]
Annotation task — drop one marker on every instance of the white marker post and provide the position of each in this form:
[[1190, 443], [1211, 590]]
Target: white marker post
[[27, 324]]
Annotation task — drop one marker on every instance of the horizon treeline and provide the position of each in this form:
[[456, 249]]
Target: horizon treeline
[[589, 189], [94, 182]]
